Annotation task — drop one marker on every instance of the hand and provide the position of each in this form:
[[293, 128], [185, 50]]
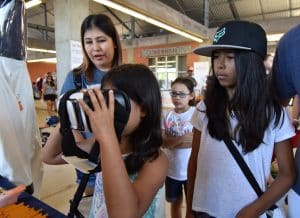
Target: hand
[[102, 117]]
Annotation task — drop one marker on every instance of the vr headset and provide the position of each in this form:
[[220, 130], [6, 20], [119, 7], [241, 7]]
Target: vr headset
[[73, 116]]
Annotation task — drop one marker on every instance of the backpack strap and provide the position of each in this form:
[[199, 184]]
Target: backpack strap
[[77, 80]]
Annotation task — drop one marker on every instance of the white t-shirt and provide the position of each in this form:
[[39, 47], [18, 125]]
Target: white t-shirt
[[221, 189], [178, 124]]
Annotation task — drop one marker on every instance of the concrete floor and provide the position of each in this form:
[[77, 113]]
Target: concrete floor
[[58, 185]]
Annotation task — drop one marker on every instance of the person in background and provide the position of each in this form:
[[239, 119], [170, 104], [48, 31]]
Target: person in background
[[177, 139], [49, 94], [286, 81], [39, 85], [101, 52], [190, 75], [238, 105], [268, 62]]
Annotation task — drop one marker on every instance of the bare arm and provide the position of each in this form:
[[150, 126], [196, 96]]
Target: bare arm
[[282, 183], [171, 142], [51, 152], [192, 168], [296, 111]]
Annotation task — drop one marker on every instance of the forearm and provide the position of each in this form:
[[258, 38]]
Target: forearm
[[190, 184], [192, 170], [51, 152], [184, 141], [278, 188], [120, 197], [282, 183]]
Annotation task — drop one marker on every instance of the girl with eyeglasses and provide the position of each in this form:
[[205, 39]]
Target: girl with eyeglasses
[[177, 139]]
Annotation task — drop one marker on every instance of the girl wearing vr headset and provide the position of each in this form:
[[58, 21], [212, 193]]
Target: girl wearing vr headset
[[133, 166], [238, 107], [101, 51]]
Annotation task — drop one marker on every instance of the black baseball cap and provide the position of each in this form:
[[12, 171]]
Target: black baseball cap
[[243, 35]]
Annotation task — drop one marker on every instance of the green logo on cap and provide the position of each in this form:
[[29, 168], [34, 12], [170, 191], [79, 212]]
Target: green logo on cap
[[219, 34]]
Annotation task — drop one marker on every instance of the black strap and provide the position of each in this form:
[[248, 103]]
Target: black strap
[[74, 212], [77, 80], [245, 169]]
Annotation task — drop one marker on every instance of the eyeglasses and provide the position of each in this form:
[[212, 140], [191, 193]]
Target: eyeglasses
[[180, 94]]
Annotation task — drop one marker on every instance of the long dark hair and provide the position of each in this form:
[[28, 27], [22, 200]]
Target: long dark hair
[[253, 104], [139, 83], [103, 23], [51, 83]]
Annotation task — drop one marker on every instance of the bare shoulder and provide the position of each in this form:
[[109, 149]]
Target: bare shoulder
[[157, 168]]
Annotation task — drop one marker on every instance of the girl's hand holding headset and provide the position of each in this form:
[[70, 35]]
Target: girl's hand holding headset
[[102, 117]]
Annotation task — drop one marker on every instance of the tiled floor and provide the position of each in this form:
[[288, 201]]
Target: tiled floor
[[58, 184]]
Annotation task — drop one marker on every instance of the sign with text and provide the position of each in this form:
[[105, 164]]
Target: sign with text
[[155, 52], [76, 54]]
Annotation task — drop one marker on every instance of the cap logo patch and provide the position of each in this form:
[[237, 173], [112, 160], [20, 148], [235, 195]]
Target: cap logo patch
[[219, 34]]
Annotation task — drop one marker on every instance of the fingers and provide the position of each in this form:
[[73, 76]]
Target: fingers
[[111, 102], [96, 96], [100, 98], [85, 107], [98, 101]]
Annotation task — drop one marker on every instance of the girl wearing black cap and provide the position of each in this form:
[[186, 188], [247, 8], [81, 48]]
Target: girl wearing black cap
[[238, 107]]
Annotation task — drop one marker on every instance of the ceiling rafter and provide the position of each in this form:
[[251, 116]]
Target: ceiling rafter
[[234, 10], [262, 10], [120, 20], [253, 15]]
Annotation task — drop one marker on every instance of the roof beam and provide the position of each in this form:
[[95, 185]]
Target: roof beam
[[234, 10], [166, 14], [40, 27], [121, 21], [254, 15]]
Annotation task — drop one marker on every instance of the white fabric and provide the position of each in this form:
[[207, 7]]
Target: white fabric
[[221, 189], [293, 204], [20, 139], [178, 124]]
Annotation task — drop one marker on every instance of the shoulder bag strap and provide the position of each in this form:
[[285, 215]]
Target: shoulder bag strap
[[244, 167]]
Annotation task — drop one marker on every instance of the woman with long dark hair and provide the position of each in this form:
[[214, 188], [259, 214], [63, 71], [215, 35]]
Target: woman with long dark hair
[[101, 52], [238, 107]]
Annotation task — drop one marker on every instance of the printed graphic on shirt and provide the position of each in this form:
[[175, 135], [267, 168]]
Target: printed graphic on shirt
[[177, 126]]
